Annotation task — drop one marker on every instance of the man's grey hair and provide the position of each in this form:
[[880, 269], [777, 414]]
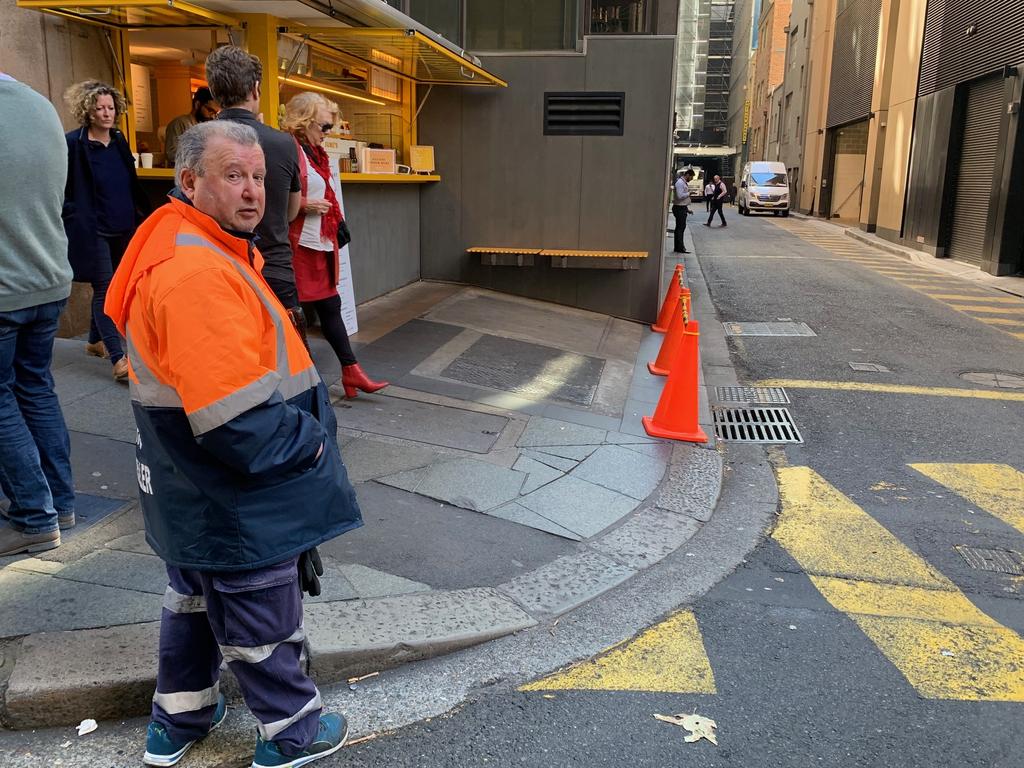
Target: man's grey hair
[[232, 74], [193, 142]]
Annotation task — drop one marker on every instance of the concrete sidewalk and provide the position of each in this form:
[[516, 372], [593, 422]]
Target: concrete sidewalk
[[504, 478]]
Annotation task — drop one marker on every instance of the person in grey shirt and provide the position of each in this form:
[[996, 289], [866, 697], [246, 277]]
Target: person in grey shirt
[[35, 282], [203, 108]]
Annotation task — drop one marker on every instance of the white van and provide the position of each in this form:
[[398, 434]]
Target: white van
[[764, 187]]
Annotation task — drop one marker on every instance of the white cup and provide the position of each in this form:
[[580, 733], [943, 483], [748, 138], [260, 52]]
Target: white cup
[[146, 158], [136, 156]]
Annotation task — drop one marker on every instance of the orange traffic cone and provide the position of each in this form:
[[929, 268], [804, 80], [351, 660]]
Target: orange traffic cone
[[671, 297], [670, 344], [676, 417]]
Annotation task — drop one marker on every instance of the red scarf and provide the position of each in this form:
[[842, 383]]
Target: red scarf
[[329, 221]]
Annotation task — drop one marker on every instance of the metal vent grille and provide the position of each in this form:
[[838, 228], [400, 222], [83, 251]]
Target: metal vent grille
[[853, 61], [756, 425], [584, 113], [768, 329], [994, 560], [769, 395]]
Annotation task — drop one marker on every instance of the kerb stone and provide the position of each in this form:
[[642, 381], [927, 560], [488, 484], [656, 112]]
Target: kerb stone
[[61, 678], [364, 636]]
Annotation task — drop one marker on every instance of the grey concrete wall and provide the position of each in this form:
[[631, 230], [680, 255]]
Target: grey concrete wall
[[506, 184], [50, 53], [926, 184], [385, 224]]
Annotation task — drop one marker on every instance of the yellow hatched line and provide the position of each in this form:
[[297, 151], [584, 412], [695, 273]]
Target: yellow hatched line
[[996, 488], [978, 297], [939, 640], [895, 389], [667, 658], [980, 308], [1002, 320]]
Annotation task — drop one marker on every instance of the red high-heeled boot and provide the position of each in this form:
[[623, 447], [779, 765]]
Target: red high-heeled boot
[[354, 378]]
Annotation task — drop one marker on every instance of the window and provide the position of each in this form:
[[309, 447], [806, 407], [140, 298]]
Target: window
[[619, 17], [442, 16], [520, 25], [769, 179]]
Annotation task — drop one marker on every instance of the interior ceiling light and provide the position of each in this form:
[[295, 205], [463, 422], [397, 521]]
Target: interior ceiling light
[[311, 85]]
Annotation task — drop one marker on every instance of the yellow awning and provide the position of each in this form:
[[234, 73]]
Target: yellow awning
[[135, 14], [407, 53]]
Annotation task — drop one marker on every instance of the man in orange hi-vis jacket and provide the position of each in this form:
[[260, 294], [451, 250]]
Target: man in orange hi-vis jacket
[[234, 426]]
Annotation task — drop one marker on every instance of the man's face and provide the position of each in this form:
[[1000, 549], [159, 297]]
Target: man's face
[[231, 190], [688, 176], [717, 178], [204, 112]]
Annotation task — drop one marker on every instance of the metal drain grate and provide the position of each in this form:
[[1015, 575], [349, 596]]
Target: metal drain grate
[[768, 329], [995, 560], [756, 425], [769, 395]]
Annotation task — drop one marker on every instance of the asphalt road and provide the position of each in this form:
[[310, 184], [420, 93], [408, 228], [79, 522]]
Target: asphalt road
[[856, 634]]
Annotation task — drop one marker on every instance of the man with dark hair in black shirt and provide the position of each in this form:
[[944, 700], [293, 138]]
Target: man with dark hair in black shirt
[[235, 78]]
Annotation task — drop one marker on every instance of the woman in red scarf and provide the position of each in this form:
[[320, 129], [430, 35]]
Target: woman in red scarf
[[314, 233]]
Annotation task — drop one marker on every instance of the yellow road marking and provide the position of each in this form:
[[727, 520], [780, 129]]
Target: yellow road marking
[[980, 308], [977, 297], [667, 658], [830, 535], [894, 389], [942, 644], [1001, 320], [996, 488]]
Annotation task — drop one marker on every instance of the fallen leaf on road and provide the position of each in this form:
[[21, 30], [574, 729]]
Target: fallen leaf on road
[[699, 727]]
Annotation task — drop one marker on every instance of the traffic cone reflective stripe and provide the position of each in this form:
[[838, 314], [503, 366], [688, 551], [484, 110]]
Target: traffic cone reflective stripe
[[675, 283], [670, 345], [676, 417]]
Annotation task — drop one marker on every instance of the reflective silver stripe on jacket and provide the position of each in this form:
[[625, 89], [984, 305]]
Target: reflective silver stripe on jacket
[[187, 701], [175, 602], [149, 391], [269, 731], [258, 653]]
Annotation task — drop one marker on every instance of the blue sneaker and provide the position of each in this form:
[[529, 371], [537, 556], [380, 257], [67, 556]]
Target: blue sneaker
[[160, 750], [329, 739]]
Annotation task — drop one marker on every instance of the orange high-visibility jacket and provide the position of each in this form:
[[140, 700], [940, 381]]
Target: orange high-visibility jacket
[[237, 457]]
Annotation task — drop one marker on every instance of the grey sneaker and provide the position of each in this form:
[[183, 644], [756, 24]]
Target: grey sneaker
[[14, 542], [66, 520]]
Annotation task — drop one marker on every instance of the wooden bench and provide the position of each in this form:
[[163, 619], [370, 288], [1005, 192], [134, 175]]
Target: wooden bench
[[496, 256]]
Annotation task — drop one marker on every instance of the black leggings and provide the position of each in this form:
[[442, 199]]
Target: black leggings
[[333, 327]]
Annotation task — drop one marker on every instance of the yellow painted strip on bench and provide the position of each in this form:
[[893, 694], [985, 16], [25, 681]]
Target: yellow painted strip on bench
[[596, 254], [484, 249]]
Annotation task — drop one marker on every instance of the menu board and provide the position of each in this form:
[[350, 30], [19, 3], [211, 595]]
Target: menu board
[[142, 99]]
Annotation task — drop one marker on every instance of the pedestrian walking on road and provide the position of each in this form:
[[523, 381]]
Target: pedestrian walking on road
[[314, 233], [103, 204], [234, 426], [709, 193], [35, 282], [681, 208], [718, 196], [235, 77]]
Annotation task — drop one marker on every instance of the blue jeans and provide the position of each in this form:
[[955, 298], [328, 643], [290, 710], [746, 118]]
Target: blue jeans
[[35, 451], [111, 249]]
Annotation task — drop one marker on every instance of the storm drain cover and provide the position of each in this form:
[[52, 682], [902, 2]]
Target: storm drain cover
[[995, 379], [995, 560], [530, 370], [769, 395], [756, 425], [768, 329]]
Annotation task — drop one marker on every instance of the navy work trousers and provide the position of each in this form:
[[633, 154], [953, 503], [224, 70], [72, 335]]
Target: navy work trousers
[[253, 621]]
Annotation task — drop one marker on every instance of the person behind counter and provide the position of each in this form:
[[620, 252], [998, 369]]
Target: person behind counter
[[203, 108], [314, 233], [103, 204]]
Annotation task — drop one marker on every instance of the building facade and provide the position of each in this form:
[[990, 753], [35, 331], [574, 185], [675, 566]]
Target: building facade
[[769, 69], [915, 134], [792, 101], [568, 148], [746, 14]]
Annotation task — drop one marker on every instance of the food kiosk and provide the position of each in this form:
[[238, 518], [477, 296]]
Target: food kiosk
[[376, 63]]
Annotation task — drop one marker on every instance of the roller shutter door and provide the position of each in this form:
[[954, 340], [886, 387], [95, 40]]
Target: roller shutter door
[[974, 184]]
